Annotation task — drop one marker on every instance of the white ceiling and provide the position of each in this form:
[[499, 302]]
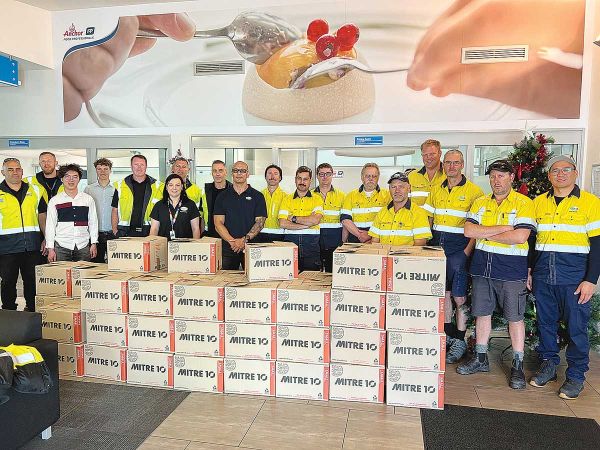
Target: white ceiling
[[64, 5]]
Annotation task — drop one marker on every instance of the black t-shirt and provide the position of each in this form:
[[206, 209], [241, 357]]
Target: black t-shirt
[[240, 210], [137, 213], [50, 184], [215, 192], [182, 226]]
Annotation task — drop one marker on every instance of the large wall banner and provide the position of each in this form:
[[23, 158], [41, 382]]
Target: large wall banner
[[341, 62]]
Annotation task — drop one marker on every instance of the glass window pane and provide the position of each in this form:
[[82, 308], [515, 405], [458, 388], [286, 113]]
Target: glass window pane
[[121, 159], [203, 161]]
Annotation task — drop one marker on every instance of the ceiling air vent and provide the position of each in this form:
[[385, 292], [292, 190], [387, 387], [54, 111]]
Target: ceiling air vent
[[219, 67], [504, 53]]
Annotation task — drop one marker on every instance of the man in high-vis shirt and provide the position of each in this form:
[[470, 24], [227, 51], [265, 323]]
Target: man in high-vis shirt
[[181, 167], [428, 176], [502, 223], [401, 222], [47, 179], [300, 215], [447, 206], [362, 205], [565, 273], [273, 195], [332, 231]]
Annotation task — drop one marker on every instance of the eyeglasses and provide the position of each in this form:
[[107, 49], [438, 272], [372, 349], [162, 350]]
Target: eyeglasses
[[453, 163], [10, 160], [564, 170], [325, 174], [71, 177], [371, 177], [239, 170]]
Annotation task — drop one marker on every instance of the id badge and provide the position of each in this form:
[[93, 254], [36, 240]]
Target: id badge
[[172, 234]]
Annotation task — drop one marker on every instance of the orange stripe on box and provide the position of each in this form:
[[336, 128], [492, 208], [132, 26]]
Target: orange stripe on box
[[381, 384], [77, 331], [384, 273], [442, 352], [126, 331], [221, 303], [325, 382], [272, 378], [382, 311], [220, 376], [213, 258], [146, 255], [441, 316], [273, 341], [221, 339], [123, 365], [171, 335], [441, 391], [80, 360], [327, 302], [382, 348], [295, 262], [171, 371], [171, 299], [273, 305], [69, 283], [124, 297], [327, 346]]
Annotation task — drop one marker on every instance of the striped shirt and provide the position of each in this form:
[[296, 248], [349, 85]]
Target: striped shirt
[[71, 222]]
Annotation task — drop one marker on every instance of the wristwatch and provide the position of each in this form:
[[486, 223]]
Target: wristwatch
[[294, 219], [247, 238]]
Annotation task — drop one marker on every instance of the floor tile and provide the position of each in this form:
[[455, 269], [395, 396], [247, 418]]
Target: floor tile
[[284, 425], [360, 406], [207, 446], [462, 396], [403, 411], [587, 405], [382, 431], [158, 443], [529, 400]]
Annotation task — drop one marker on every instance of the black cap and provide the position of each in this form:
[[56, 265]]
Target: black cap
[[501, 165], [401, 176]]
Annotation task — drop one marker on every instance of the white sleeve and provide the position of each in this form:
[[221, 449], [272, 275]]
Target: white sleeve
[[51, 221], [92, 220]]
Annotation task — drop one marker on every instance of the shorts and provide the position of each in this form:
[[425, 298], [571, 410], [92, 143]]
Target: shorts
[[509, 296], [456, 274]]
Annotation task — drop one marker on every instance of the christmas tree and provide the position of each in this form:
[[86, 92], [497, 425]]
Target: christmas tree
[[529, 160]]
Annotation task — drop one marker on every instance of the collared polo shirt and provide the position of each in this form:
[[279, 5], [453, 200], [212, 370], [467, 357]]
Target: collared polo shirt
[[273, 202], [495, 260], [563, 235], [420, 185], [103, 196], [449, 208], [240, 210], [331, 227], [402, 227], [294, 205], [361, 209]]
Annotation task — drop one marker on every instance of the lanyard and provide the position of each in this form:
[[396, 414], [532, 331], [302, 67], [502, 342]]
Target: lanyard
[[51, 188], [174, 213]]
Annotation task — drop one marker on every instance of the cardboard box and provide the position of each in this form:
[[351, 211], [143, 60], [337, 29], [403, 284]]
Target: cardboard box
[[415, 389], [54, 279], [362, 267], [63, 324], [43, 302], [251, 303], [150, 295], [137, 254], [303, 344], [150, 368], [271, 261], [200, 374], [417, 271], [109, 363], [199, 300], [249, 376], [82, 271], [200, 338], [358, 309], [312, 276], [414, 313], [105, 292], [106, 329], [358, 346], [356, 383], [202, 256], [304, 304], [152, 334], [250, 341], [70, 359], [305, 381], [416, 351]]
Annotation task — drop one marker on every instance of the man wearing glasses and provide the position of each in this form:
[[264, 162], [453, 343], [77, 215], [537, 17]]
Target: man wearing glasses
[[565, 273], [428, 176], [300, 215], [239, 215], [447, 206], [332, 232], [22, 216]]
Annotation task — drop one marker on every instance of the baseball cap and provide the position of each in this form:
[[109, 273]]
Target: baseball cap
[[400, 176], [501, 165], [565, 158]]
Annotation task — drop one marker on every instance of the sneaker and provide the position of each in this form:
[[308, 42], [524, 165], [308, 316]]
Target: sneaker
[[545, 373], [570, 389], [449, 341], [473, 366], [517, 376], [457, 350]]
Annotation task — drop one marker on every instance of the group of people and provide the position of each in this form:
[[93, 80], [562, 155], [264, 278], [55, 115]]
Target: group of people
[[504, 244]]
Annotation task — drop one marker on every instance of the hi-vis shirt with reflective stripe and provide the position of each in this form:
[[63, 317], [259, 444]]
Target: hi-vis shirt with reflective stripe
[[361, 209], [449, 210], [273, 202], [192, 190], [19, 225], [493, 259], [332, 206], [402, 227], [33, 180], [293, 205], [126, 201], [420, 186]]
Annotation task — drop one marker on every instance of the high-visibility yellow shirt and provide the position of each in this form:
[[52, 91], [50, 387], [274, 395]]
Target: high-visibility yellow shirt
[[19, 225], [449, 208], [33, 180], [273, 202], [125, 193], [361, 209], [294, 205], [193, 191], [420, 185], [401, 227], [332, 206], [494, 259]]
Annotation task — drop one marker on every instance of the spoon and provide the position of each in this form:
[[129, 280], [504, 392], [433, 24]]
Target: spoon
[[337, 67], [255, 35]]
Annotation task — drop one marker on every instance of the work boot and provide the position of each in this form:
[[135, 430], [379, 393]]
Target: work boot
[[457, 350], [570, 389], [545, 373], [517, 376], [474, 365]]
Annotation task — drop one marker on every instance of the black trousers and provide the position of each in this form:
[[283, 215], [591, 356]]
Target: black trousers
[[10, 266], [327, 258], [309, 263], [232, 260], [103, 238]]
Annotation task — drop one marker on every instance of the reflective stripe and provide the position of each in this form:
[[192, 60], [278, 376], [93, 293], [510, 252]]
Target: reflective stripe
[[473, 216], [592, 226], [272, 230], [346, 211], [418, 194], [428, 207], [330, 225], [447, 229], [376, 230], [424, 230], [502, 250], [331, 212], [317, 209], [306, 231], [526, 221], [562, 227], [451, 212], [124, 223], [363, 224], [19, 230], [373, 209], [562, 248], [283, 212]]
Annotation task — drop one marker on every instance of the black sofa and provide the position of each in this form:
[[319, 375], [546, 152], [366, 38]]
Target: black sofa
[[26, 415]]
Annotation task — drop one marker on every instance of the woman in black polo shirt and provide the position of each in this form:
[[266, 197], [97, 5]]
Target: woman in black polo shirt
[[175, 216]]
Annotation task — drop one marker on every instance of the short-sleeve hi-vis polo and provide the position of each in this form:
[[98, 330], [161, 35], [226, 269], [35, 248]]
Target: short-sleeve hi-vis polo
[[563, 235], [493, 259], [294, 205], [420, 186], [331, 226], [449, 208], [402, 227], [361, 209], [273, 202]]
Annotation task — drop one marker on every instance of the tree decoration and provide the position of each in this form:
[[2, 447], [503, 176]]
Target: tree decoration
[[529, 159]]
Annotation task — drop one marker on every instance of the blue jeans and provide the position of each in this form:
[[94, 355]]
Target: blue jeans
[[555, 303]]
